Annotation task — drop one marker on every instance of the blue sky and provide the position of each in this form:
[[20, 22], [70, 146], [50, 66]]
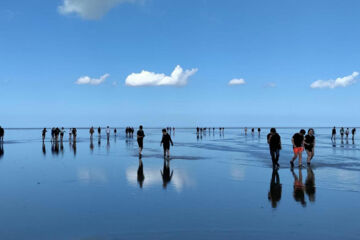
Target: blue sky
[[279, 48]]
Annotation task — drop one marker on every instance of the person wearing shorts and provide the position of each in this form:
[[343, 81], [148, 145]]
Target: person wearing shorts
[[140, 138], [309, 144], [298, 146]]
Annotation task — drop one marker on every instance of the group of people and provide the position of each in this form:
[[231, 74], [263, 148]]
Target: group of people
[[202, 130], [129, 131], [252, 131], [342, 133], [59, 132], [300, 142]]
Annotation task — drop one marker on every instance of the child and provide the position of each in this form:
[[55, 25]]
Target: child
[[165, 141]]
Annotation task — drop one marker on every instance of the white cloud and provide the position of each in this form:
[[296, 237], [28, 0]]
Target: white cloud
[[178, 77], [270, 85], [339, 82], [89, 9], [237, 81], [92, 81]]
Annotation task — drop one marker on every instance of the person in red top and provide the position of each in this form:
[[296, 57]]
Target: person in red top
[[298, 147]]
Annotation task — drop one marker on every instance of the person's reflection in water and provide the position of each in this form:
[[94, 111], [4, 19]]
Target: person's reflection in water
[[310, 184], [1, 150], [274, 194], [91, 145], [166, 173], [99, 141], [62, 148], [299, 194], [55, 147], [44, 148], [140, 173], [108, 145], [74, 147]]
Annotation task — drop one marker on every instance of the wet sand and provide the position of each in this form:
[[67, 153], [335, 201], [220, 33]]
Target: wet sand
[[219, 188]]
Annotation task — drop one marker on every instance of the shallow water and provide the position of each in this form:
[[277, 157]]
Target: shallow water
[[219, 188]]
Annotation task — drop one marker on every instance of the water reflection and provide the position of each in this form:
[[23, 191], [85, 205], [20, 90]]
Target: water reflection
[[166, 173], [140, 173], [310, 184], [299, 189], [43, 148], [274, 194], [91, 145], [55, 147], [1, 150]]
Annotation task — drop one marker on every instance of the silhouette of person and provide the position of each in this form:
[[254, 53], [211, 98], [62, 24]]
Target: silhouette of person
[[353, 131], [298, 147], [342, 133], [259, 131], [74, 133], [99, 131], [140, 173], [333, 134], [1, 150], [2, 133], [299, 193], [43, 134], [166, 173], [62, 132], [274, 141], [274, 194], [108, 132], [165, 141], [140, 138], [310, 184], [91, 131], [309, 144], [91, 144], [115, 131]]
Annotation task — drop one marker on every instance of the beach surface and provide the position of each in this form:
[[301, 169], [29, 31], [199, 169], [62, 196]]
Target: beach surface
[[219, 187]]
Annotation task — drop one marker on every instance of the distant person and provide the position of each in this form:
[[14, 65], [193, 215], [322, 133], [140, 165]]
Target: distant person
[[299, 193], [140, 173], [2, 133], [274, 141], [310, 188], [74, 133], [298, 147], [70, 134], [165, 141], [140, 138], [259, 130], [1, 149], [166, 173], [353, 131], [274, 194], [347, 132], [99, 131], [115, 131], [333, 134], [309, 144], [62, 132], [108, 132], [57, 133], [245, 131], [342, 133], [43, 134], [252, 131], [91, 131], [53, 134]]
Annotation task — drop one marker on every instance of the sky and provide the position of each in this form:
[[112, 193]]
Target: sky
[[181, 63]]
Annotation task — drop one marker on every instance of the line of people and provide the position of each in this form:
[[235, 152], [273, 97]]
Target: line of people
[[343, 133]]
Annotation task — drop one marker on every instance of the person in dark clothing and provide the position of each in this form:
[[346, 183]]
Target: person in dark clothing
[[309, 144], [91, 131], [57, 133], [342, 131], [140, 173], [165, 141], [115, 131], [259, 131], [252, 131], [2, 133], [99, 131], [1, 150], [298, 146], [62, 132], [274, 194], [274, 141], [333, 134], [43, 134], [140, 138], [353, 131], [166, 173], [74, 133]]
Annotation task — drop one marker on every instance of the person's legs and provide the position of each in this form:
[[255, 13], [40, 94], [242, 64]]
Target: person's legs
[[273, 157], [277, 156], [300, 158], [309, 156]]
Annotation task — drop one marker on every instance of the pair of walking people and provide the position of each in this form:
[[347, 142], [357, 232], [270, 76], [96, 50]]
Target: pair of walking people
[[165, 141], [300, 142]]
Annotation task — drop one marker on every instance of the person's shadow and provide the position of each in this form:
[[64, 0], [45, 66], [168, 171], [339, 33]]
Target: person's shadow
[[298, 193], [166, 173], [140, 173], [274, 194], [310, 184]]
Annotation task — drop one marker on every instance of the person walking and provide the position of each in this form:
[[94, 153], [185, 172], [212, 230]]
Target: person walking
[[74, 133], [309, 144], [43, 134], [333, 134], [274, 141], [298, 147], [166, 141], [353, 131], [140, 139], [99, 131], [91, 131], [108, 133], [342, 133]]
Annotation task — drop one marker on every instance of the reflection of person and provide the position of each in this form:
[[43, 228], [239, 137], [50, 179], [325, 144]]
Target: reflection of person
[[140, 173], [2, 132], [140, 138], [165, 141], [91, 145], [91, 131], [1, 150], [310, 184], [108, 132], [309, 144], [43, 148], [274, 141], [166, 173], [298, 193], [274, 194], [298, 146], [43, 134]]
